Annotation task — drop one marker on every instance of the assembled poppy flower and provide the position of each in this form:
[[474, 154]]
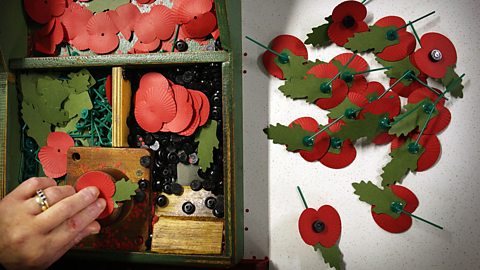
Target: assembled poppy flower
[[338, 88], [53, 156], [321, 141], [405, 90], [341, 153], [436, 55], [43, 11], [278, 44], [404, 221], [105, 184], [442, 119], [388, 103], [407, 42], [429, 143], [347, 19], [355, 82], [322, 226]]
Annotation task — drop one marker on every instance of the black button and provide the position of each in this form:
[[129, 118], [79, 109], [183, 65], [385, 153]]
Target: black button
[[196, 185], [172, 158], [167, 188], [216, 113], [210, 202], [145, 161], [139, 196], [177, 189], [181, 46], [218, 213], [188, 148], [162, 201], [183, 157], [143, 184], [187, 76], [157, 185], [188, 208], [148, 139], [318, 226], [217, 100], [218, 44], [166, 172], [208, 185], [202, 174]]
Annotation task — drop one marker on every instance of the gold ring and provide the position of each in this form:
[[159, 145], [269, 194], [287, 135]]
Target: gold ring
[[41, 200]]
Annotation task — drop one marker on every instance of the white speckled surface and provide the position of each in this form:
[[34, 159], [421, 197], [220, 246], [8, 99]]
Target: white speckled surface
[[448, 192]]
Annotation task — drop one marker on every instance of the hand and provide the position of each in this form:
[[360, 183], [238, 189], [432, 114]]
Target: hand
[[34, 239]]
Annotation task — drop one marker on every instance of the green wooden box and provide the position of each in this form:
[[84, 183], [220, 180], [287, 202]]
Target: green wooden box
[[13, 48]]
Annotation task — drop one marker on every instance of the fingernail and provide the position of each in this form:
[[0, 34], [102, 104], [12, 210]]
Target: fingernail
[[90, 193], [96, 231]]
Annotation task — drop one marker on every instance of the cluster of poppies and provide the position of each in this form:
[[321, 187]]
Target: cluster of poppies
[[161, 105], [71, 22]]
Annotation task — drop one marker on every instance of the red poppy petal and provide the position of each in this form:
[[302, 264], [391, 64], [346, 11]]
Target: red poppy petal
[[349, 8], [157, 80], [108, 209], [324, 70], [145, 28], [338, 34], [438, 41], [321, 141], [216, 34], [144, 2], [103, 181], [339, 93], [439, 122], [433, 69], [389, 103], [75, 19], [392, 21], [403, 90], [54, 163], [184, 110], [404, 222], [46, 29], [195, 122], [45, 45], [383, 138], [373, 89], [205, 110], [333, 226], [124, 17], [102, 44], [164, 22], [358, 63], [57, 32], [186, 10], [357, 99], [422, 93], [345, 157], [141, 47], [153, 107], [401, 50], [278, 44], [305, 222], [431, 154], [108, 89], [200, 26], [60, 140], [101, 24], [42, 11], [359, 84]]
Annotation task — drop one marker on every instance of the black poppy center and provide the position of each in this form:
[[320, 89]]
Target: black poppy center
[[318, 226], [348, 21]]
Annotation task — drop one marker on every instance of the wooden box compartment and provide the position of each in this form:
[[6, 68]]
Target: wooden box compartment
[[175, 233]]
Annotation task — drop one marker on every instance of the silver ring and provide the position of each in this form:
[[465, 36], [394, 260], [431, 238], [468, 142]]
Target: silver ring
[[41, 200]]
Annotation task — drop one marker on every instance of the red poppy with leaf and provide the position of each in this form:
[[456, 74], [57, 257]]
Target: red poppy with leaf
[[436, 55], [347, 19]]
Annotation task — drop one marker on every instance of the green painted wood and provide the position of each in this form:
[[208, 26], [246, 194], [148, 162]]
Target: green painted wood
[[118, 60], [222, 22], [3, 132]]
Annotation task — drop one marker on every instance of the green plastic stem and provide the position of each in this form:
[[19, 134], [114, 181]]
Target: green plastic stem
[[371, 70], [424, 220], [175, 38], [454, 83], [265, 47], [386, 91], [428, 86], [414, 21], [401, 117], [326, 127], [69, 51], [363, 2], [343, 69], [303, 198], [415, 33]]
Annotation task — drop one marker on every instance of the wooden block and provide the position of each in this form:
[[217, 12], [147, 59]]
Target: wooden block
[[174, 207], [121, 99], [188, 235]]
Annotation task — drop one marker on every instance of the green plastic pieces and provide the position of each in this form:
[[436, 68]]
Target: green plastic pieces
[[124, 190], [376, 39], [382, 199], [332, 255], [292, 137], [403, 161]]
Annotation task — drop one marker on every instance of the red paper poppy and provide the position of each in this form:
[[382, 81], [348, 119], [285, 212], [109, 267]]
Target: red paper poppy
[[163, 21], [144, 2], [43, 11], [346, 151], [195, 122], [102, 34], [74, 20], [328, 234], [358, 63], [53, 156], [108, 89], [403, 90], [278, 44], [125, 17], [403, 222], [422, 93], [186, 10], [321, 141], [407, 42], [105, 184], [429, 157], [140, 47], [47, 43], [155, 79], [347, 19], [200, 26], [185, 110], [436, 55], [339, 88], [153, 107], [389, 103], [205, 110], [438, 122]]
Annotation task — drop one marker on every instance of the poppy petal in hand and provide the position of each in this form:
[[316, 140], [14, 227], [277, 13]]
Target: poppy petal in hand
[[347, 20], [436, 55], [320, 226]]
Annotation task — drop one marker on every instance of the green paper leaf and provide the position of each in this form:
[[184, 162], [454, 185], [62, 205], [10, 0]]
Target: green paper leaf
[[450, 77], [375, 39], [399, 68], [369, 127], [28, 84], [207, 138], [296, 67], [402, 162], [102, 5], [319, 36], [52, 90], [413, 117], [341, 108], [332, 255], [77, 102], [381, 198], [53, 115], [38, 129], [124, 189], [345, 69], [81, 81], [70, 126], [291, 137], [309, 88]]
